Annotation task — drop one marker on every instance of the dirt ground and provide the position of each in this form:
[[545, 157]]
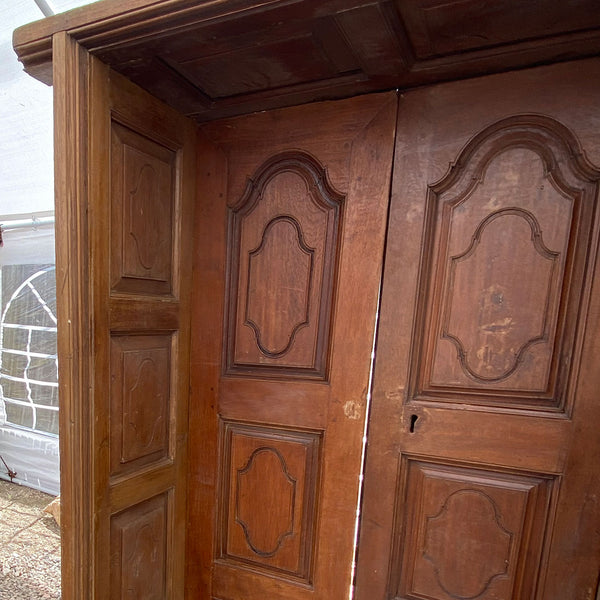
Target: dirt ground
[[29, 545]]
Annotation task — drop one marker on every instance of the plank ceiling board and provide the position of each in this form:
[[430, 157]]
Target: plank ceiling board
[[226, 57]]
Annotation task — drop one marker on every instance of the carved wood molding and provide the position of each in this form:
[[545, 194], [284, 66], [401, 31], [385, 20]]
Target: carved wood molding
[[306, 253], [282, 270], [514, 358], [286, 526], [113, 23], [269, 481], [484, 513], [493, 534]]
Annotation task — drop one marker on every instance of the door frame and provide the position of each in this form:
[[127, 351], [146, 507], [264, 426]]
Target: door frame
[[120, 492], [71, 96]]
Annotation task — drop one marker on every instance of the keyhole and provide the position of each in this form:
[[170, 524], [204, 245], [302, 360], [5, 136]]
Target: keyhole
[[413, 420]]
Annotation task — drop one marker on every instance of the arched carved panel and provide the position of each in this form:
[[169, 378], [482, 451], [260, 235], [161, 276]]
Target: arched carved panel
[[140, 400], [506, 244], [143, 204], [139, 551], [465, 533], [283, 254], [269, 479]]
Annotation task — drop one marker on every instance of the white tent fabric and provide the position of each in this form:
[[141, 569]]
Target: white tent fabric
[[26, 193], [26, 165], [32, 245]]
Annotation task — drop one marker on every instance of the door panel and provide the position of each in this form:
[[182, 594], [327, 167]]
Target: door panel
[[481, 454], [125, 431], [276, 427], [507, 236], [271, 264], [469, 532], [146, 290]]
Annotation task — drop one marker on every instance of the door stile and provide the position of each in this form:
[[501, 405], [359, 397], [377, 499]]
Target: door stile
[[99, 213], [208, 282], [71, 78]]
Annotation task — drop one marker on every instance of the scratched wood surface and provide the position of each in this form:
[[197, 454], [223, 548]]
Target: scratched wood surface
[[124, 177], [483, 441], [281, 343]]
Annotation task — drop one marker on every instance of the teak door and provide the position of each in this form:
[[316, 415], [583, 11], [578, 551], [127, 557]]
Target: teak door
[[288, 245], [483, 450], [124, 199], [481, 475]]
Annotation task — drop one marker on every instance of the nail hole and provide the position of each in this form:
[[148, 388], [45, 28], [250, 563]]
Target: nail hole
[[413, 420]]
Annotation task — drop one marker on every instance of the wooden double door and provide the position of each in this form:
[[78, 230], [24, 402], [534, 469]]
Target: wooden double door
[[480, 200], [483, 445]]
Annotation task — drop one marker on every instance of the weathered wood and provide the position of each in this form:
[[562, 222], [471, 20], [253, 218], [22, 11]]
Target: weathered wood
[[217, 59], [276, 432], [483, 433], [125, 353], [71, 75]]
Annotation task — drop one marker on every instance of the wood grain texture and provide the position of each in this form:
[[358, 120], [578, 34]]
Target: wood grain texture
[[132, 415], [482, 422], [142, 196], [139, 544], [284, 235], [288, 443], [454, 515], [140, 401], [437, 28], [480, 419], [268, 498], [207, 311], [218, 59], [508, 233], [71, 76]]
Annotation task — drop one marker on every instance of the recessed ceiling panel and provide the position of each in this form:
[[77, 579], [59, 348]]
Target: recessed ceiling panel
[[258, 68], [441, 27], [217, 59]]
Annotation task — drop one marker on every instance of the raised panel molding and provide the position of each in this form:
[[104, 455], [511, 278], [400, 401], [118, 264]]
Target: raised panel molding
[[507, 237], [139, 551], [283, 256], [468, 533], [493, 351], [143, 206], [140, 401], [283, 271], [265, 463], [486, 531], [269, 482]]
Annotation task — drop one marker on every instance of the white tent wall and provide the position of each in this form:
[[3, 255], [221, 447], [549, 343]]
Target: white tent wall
[[35, 456], [26, 194], [26, 165]]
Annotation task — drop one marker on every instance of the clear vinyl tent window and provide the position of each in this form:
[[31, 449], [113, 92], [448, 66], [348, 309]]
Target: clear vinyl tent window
[[28, 410], [28, 360], [29, 402]]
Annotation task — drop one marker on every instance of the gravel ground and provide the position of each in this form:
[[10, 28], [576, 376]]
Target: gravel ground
[[29, 545]]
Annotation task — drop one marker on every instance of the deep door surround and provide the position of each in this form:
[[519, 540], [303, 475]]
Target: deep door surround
[[73, 100]]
